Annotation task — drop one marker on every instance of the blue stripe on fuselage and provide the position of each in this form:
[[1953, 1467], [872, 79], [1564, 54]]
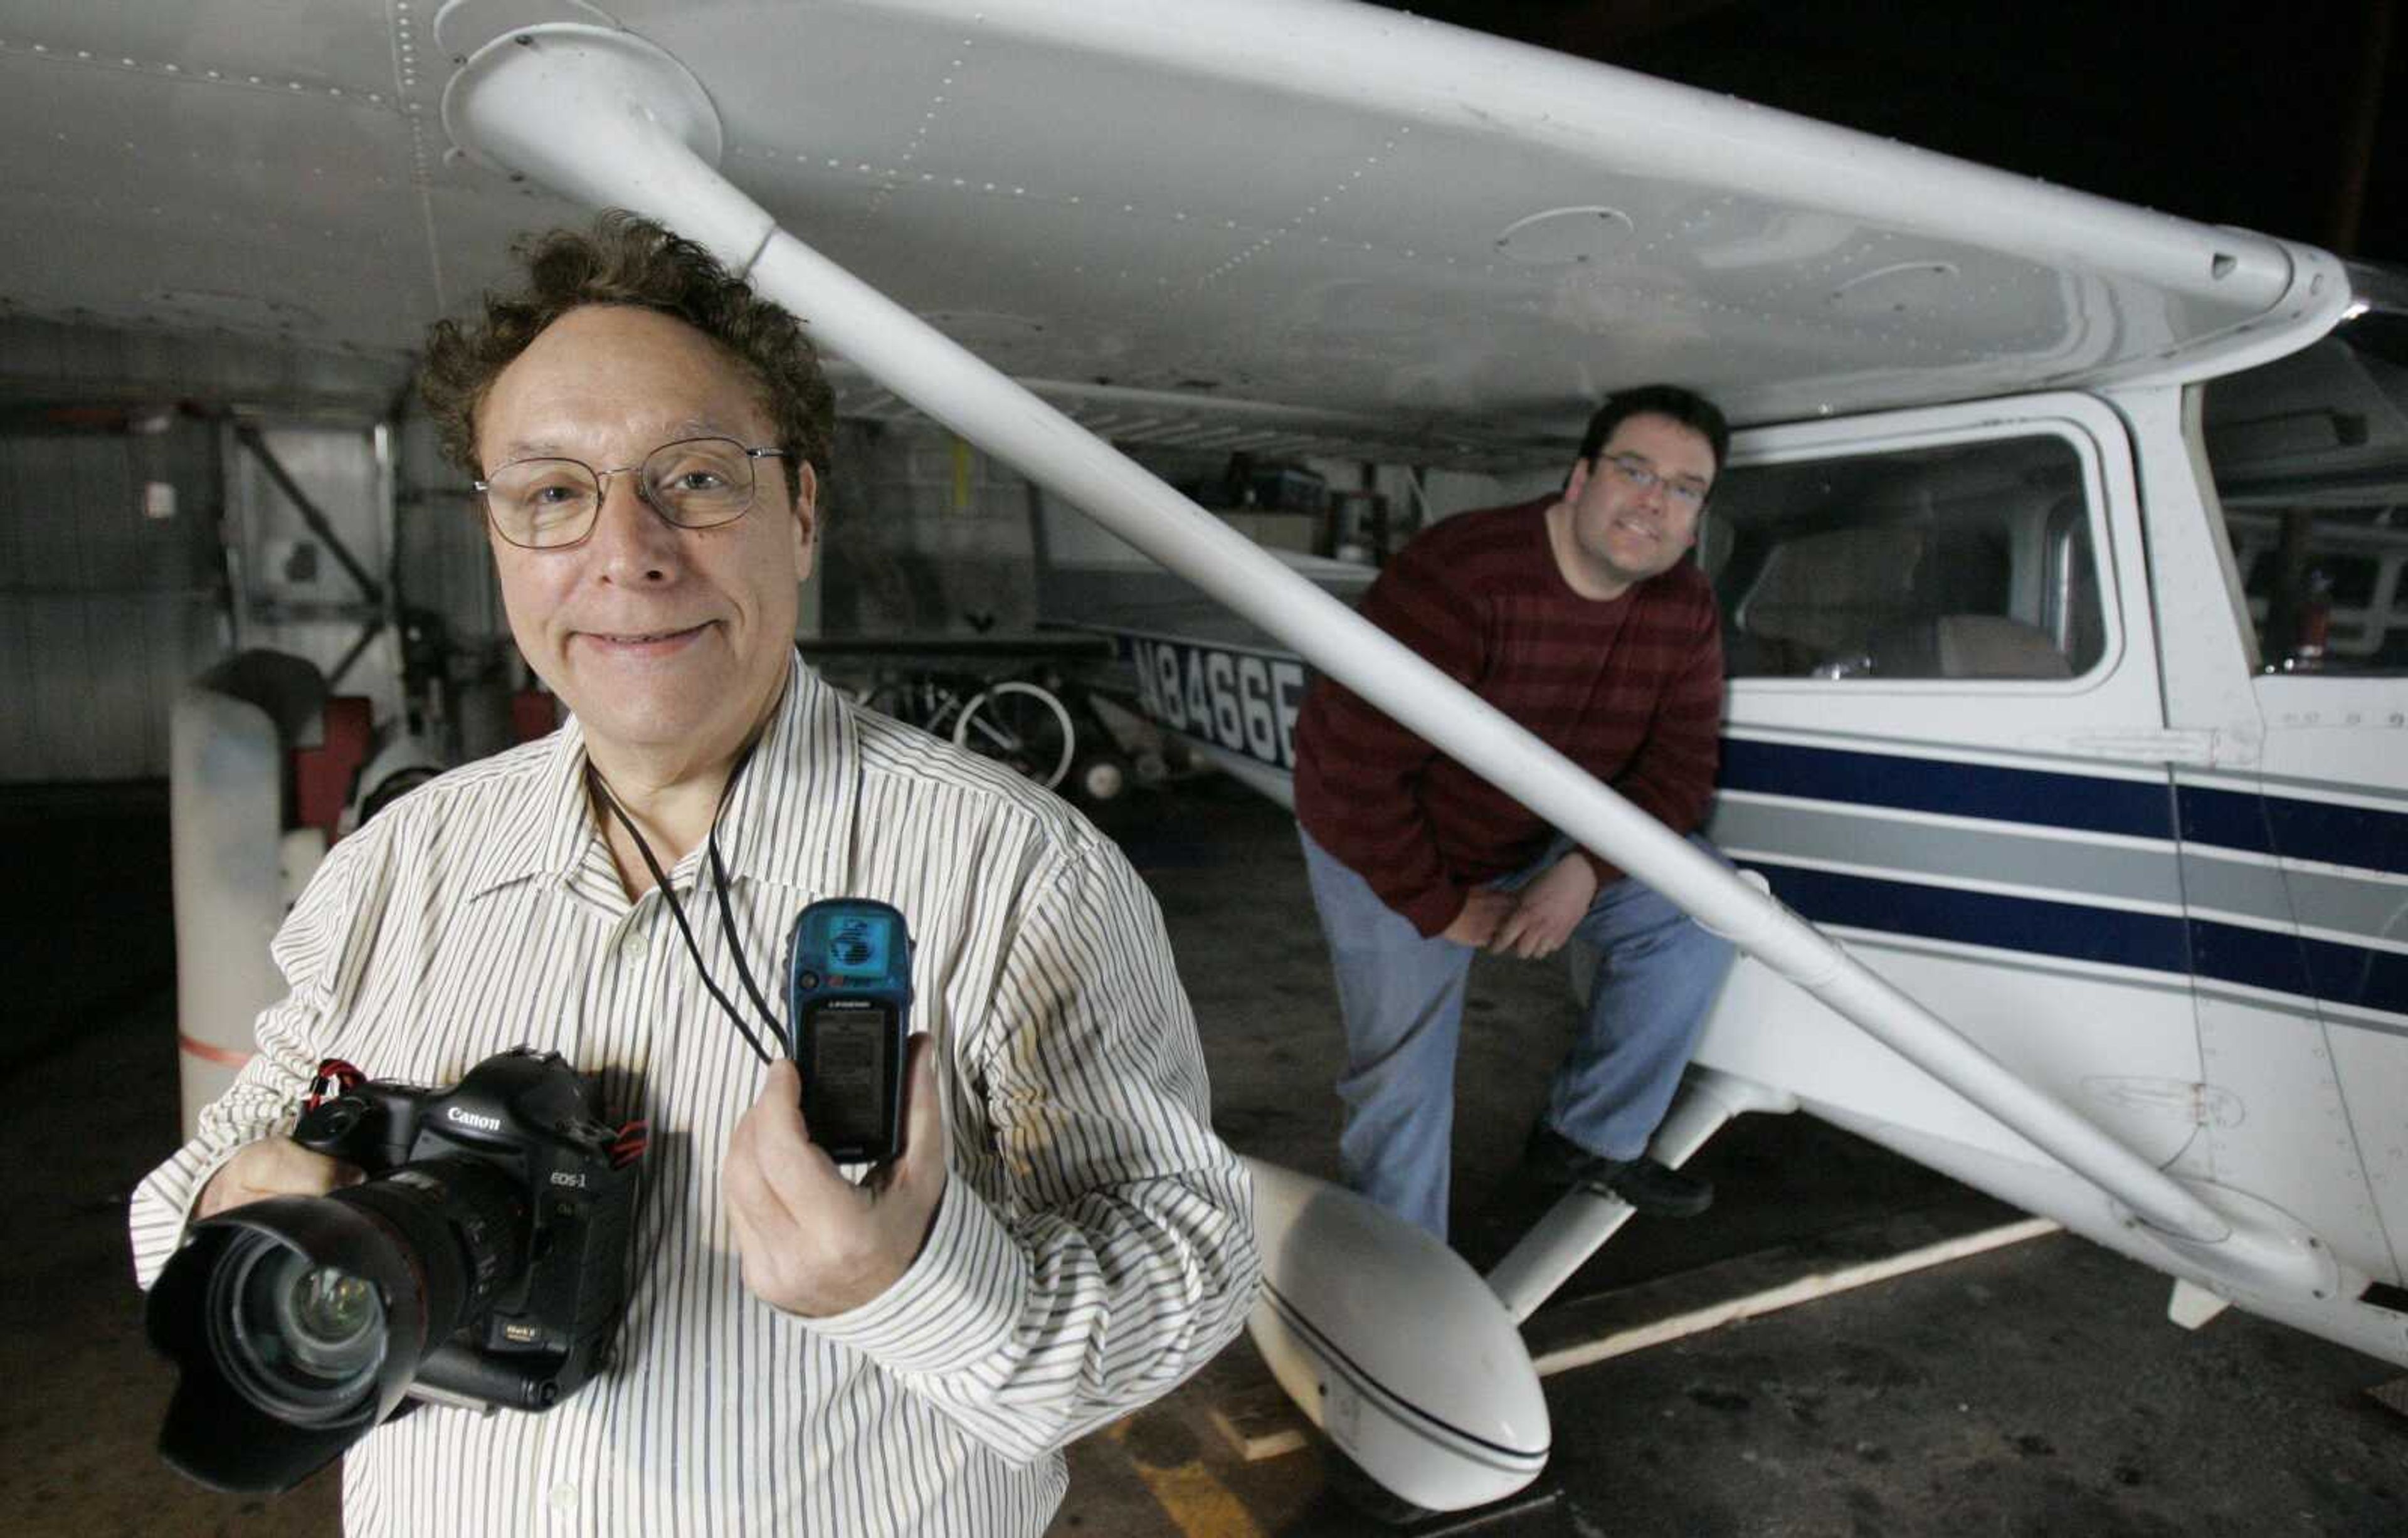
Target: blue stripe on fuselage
[[2341, 835], [2084, 802], [2072, 930], [2296, 827], [2273, 960], [2231, 953], [2225, 820], [2324, 969]]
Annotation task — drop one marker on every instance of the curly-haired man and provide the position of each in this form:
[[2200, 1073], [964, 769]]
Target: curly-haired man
[[805, 1348]]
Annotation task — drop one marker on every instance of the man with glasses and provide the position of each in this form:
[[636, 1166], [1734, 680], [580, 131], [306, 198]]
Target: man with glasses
[[805, 1349], [1579, 616]]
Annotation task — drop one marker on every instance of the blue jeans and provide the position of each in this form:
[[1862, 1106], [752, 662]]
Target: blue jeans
[[1401, 995]]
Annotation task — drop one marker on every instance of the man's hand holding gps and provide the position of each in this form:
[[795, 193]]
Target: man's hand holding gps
[[813, 1242]]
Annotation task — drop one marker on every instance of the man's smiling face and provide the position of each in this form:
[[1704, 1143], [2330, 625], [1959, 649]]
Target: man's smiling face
[[1616, 532], [663, 640]]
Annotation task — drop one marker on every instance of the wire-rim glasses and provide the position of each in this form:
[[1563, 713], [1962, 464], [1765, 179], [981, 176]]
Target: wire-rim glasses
[[551, 503], [1641, 476]]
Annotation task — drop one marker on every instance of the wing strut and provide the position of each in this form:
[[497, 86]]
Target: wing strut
[[607, 119]]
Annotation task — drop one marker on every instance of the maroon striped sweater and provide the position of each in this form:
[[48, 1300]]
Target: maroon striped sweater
[[1630, 689]]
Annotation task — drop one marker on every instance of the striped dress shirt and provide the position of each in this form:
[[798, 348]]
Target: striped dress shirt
[[1630, 689], [1094, 1246]]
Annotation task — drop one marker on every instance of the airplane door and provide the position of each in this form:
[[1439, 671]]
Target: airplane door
[[2301, 861], [2298, 882], [1945, 744]]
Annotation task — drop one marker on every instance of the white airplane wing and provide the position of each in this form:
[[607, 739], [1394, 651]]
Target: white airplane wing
[[1279, 222]]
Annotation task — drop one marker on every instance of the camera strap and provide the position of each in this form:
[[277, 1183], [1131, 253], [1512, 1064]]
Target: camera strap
[[719, 879], [677, 909]]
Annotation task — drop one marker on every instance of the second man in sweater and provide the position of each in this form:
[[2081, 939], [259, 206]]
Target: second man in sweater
[[1580, 618]]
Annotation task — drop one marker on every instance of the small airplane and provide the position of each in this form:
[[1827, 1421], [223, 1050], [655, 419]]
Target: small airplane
[[2059, 553]]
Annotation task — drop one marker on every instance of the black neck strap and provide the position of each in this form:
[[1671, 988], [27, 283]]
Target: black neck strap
[[677, 910]]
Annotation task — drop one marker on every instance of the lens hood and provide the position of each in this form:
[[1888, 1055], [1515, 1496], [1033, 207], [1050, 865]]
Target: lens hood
[[218, 1431]]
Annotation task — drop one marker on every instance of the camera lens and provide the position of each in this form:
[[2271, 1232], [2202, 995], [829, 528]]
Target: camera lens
[[333, 1320], [301, 1341], [331, 1310], [298, 1321]]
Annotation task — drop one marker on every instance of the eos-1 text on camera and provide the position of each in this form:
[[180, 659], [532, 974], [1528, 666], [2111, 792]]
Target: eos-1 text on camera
[[483, 1262]]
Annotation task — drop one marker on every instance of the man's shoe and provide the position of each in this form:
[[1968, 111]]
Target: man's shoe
[[1658, 1191], [1551, 1159]]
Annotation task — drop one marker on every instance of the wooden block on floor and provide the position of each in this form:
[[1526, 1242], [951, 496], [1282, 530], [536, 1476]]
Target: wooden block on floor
[[1261, 1422], [2393, 1396], [1574, 1332]]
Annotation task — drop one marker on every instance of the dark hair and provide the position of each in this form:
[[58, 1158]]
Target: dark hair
[[627, 259], [1685, 407]]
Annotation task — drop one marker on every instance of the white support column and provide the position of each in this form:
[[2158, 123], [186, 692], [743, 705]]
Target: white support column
[[1578, 1226]]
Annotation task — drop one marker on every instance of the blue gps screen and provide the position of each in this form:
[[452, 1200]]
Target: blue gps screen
[[859, 945]]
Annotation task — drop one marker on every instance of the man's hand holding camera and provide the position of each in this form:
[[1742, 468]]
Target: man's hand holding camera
[[272, 1166], [813, 1242]]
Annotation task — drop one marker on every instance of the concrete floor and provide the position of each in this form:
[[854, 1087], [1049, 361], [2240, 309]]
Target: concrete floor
[[2034, 1389]]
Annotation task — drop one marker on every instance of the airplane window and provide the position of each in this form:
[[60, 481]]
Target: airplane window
[[2310, 455], [1962, 560]]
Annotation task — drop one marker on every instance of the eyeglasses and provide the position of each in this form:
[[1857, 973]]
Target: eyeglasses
[[1640, 476], [550, 504]]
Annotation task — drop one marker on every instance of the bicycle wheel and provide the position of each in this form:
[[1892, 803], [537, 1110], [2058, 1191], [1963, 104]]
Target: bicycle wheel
[[1021, 724]]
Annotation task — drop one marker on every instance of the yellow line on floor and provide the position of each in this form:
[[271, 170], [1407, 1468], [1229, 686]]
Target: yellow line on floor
[[1200, 1505]]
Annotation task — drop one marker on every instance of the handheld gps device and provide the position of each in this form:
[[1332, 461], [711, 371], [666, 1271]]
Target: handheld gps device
[[847, 1020]]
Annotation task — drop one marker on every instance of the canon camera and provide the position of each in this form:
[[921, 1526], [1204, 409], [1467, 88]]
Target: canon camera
[[483, 1262]]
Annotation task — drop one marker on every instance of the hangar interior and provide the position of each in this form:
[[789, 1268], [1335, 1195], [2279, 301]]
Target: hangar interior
[[143, 506]]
